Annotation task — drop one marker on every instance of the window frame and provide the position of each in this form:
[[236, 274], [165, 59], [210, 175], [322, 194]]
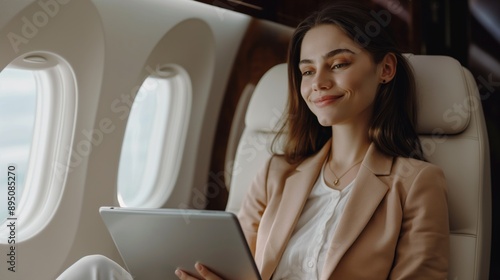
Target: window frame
[[49, 160], [171, 148]]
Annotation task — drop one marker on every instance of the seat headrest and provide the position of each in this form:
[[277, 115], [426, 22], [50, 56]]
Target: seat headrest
[[442, 96], [268, 100]]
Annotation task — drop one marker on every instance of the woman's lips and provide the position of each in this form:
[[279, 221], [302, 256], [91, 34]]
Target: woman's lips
[[326, 100]]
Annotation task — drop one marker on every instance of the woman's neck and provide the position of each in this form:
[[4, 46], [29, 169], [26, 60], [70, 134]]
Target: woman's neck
[[349, 144]]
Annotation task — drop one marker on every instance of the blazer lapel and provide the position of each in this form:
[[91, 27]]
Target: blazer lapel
[[367, 193], [295, 193]]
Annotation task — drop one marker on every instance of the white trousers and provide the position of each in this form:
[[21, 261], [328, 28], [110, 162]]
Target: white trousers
[[95, 267]]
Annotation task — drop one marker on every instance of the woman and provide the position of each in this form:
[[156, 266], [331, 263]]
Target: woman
[[351, 197]]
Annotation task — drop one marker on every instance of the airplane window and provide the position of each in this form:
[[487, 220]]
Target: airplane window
[[37, 117], [17, 120], [153, 139]]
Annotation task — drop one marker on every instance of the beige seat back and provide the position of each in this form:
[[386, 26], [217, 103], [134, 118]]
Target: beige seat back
[[453, 134]]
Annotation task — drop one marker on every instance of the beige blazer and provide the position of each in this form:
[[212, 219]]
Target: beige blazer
[[394, 226]]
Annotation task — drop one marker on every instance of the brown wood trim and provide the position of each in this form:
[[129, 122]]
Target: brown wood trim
[[264, 45]]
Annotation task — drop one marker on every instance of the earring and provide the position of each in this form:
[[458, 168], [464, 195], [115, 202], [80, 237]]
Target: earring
[[383, 81]]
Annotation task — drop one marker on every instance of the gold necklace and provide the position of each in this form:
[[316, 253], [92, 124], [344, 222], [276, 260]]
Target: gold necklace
[[337, 179]]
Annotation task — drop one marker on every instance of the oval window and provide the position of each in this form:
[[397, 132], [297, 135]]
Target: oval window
[[37, 117], [154, 138]]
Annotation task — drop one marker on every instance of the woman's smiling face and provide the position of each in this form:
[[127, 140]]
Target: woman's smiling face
[[339, 78]]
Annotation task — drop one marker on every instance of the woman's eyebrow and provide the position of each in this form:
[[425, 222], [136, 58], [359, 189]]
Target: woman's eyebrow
[[338, 51], [327, 55], [305, 61]]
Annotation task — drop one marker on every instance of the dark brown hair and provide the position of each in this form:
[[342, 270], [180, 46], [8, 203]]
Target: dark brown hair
[[393, 122]]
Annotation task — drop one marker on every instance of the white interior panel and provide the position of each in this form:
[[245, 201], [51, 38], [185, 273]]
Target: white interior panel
[[460, 245], [110, 44]]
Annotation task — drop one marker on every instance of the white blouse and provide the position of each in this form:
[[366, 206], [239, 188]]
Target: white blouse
[[305, 253]]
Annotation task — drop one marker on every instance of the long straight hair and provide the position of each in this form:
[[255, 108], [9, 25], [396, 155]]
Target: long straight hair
[[393, 122]]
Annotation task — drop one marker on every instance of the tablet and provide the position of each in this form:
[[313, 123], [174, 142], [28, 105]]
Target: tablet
[[155, 242]]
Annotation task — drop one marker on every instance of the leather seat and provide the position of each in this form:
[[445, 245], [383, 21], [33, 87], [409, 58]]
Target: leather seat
[[453, 135]]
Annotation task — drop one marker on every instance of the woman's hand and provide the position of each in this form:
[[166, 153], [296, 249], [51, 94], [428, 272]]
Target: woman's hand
[[202, 270]]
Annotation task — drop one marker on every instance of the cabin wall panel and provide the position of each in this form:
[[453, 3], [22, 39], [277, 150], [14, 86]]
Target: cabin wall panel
[[108, 44]]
